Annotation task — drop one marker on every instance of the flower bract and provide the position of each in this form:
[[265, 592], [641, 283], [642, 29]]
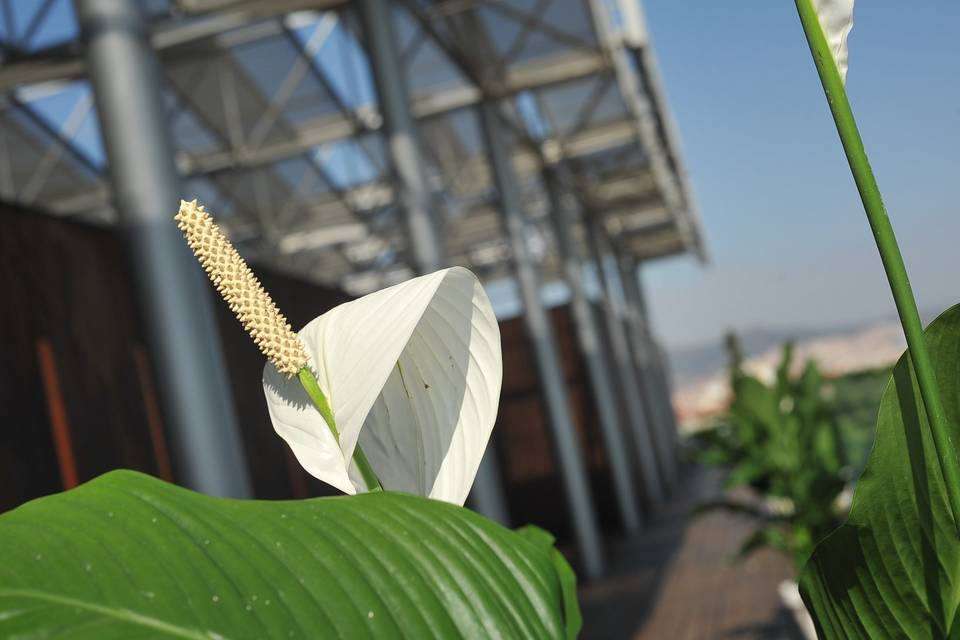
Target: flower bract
[[836, 19], [412, 373]]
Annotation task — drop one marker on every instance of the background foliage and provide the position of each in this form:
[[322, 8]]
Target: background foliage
[[791, 442]]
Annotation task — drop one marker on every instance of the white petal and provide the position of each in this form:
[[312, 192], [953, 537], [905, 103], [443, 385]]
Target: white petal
[[429, 427], [414, 372], [292, 415], [836, 19]]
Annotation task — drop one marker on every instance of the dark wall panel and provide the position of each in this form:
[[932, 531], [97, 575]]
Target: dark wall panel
[[67, 286], [523, 438], [64, 291]]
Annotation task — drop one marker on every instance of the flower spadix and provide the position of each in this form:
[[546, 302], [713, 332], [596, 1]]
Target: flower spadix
[[412, 373], [240, 289], [836, 20]]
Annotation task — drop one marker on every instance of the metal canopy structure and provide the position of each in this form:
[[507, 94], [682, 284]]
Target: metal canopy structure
[[276, 127]]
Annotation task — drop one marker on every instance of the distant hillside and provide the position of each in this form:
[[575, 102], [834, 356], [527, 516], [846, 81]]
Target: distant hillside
[[690, 364], [701, 385]]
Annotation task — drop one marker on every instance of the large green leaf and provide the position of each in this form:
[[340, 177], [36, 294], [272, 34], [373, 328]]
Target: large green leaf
[[127, 555], [893, 570]]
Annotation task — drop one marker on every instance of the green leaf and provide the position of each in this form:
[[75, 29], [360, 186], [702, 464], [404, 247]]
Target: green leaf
[[893, 570], [746, 473], [127, 555], [568, 580]]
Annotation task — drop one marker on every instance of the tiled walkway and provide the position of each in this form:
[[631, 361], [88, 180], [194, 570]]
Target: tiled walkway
[[676, 581]]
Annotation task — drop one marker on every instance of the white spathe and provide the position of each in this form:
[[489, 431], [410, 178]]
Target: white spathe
[[836, 19], [412, 373]]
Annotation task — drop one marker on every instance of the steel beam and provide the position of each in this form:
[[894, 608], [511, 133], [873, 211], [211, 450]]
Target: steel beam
[[401, 135], [639, 86], [426, 244], [636, 38], [209, 18], [563, 220], [41, 172], [639, 353], [572, 468], [650, 360], [332, 128], [175, 302], [640, 107], [645, 446], [617, 192]]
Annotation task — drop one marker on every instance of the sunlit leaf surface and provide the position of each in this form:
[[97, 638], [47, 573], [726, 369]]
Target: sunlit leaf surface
[[129, 556], [893, 570]]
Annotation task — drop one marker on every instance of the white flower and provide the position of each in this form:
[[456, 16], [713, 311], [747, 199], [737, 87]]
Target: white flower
[[412, 373], [836, 19]]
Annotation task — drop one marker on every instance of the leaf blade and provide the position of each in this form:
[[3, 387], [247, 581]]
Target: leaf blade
[[893, 570], [128, 552]]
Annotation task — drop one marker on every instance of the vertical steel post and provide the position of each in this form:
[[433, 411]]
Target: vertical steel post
[[640, 355], [572, 468], [401, 134], [653, 473], [174, 299], [563, 220], [649, 357], [426, 246]]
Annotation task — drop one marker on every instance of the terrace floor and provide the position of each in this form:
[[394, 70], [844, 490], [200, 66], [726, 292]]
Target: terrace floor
[[675, 581]]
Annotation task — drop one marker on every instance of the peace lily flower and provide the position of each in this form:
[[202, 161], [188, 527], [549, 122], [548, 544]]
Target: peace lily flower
[[836, 20], [412, 373], [409, 376]]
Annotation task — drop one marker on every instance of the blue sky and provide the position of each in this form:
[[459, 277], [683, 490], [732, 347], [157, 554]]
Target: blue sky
[[788, 239]]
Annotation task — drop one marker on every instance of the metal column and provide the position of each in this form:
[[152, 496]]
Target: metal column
[[174, 299], [401, 134], [572, 468], [639, 355], [652, 471], [649, 358], [426, 246], [563, 220]]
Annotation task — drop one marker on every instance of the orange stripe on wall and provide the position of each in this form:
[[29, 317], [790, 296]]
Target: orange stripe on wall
[[56, 409], [152, 407]]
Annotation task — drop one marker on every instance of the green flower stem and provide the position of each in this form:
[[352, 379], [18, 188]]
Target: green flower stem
[[366, 469], [312, 388], [889, 251]]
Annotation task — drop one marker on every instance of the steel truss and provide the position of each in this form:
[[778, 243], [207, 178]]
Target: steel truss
[[576, 93]]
